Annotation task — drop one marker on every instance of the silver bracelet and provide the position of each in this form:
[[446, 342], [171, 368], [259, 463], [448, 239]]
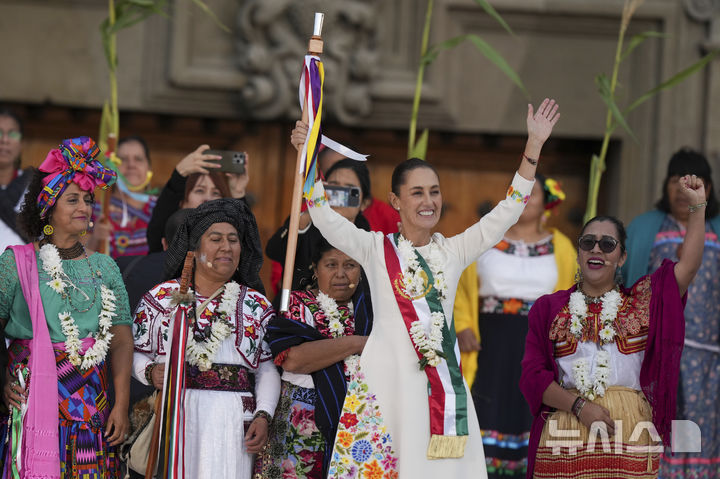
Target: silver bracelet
[[694, 208]]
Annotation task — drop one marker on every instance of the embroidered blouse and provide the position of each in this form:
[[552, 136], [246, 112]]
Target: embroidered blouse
[[153, 316], [304, 307], [85, 304], [516, 269], [626, 352]]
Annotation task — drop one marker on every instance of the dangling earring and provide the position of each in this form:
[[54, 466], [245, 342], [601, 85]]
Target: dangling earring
[[618, 277], [84, 232], [48, 230], [578, 276]]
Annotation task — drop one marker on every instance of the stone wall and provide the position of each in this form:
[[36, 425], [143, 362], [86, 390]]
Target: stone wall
[[185, 66]]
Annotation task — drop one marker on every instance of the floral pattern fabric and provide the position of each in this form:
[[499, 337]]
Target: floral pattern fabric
[[633, 318], [296, 447], [363, 447], [152, 321], [521, 248], [698, 395]]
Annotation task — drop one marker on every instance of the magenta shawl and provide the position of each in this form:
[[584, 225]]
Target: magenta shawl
[[41, 455], [660, 368]]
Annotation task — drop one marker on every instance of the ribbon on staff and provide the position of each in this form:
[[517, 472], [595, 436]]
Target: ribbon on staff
[[311, 100], [173, 421]]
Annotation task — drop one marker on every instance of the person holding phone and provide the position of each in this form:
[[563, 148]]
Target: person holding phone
[[196, 169], [350, 180]]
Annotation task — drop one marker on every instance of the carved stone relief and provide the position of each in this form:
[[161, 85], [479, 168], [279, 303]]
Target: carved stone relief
[[273, 34], [706, 11]]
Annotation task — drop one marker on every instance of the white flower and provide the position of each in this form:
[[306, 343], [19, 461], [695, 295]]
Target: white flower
[[57, 285], [607, 334], [415, 285], [352, 363], [576, 327], [202, 354]]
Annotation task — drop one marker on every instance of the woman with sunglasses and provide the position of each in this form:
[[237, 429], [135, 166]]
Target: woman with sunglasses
[[602, 361]]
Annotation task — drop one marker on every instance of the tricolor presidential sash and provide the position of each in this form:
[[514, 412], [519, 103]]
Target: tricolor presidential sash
[[447, 396]]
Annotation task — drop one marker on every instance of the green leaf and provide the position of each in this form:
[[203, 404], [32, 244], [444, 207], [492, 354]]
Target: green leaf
[[603, 84], [636, 40], [211, 14], [493, 13], [105, 36], [679, 77], [132, 15], [435, 50], [499, 61], [420, 148], [488, 51]]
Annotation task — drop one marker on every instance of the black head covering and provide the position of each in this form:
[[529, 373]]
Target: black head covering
[[197, 222]]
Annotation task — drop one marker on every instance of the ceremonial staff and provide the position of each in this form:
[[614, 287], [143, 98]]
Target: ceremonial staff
[[168, 405], [311, 84]]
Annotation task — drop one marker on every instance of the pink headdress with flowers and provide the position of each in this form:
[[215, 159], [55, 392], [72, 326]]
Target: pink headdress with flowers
[[73, 162]]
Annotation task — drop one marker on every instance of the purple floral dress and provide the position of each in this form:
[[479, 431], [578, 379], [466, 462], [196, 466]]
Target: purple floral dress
[[296, 447]]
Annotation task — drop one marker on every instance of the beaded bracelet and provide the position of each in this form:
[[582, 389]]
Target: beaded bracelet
[[263, 414], [694, 208], [532, 161], [148, 372]]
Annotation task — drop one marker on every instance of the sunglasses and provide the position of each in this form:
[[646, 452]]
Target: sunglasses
[[607, 243]]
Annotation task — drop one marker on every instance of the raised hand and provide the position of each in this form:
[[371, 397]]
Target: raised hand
[[693, 189], [197, 162], [541, 123], [298, 135]]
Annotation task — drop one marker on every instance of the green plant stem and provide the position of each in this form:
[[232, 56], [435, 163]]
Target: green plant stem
[[597, 166], [115, 115], [419, 81]]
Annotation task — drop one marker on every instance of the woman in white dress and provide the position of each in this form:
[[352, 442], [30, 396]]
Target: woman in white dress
[[232, 385], [408, 411]]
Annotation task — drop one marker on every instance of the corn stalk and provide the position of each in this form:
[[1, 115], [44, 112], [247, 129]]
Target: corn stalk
[[607, 89], [418, 148]]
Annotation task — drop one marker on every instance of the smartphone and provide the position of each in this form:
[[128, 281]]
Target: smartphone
[[231, 162], [343, 196]]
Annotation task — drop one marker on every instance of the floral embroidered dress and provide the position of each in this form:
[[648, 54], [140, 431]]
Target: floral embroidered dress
[[81, 395], [296, 447], [385, 425], [219, 403], [129, 226], [512, 276], [699, 390]]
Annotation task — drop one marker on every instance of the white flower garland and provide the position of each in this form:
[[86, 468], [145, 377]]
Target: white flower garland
[[52, 265], [578, 310], [598, 385], [581, 368], [201, 354], [415, 282], [329, 306]]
